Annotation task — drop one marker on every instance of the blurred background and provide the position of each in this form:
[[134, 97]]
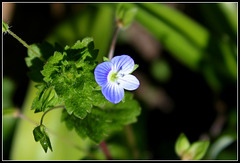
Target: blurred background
[[187, 56]]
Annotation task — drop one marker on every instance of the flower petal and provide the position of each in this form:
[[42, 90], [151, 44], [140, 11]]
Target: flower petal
[[129, 82], [101, 72], [124, 63], [113, 92]]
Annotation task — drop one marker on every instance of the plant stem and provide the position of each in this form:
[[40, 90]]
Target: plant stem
[[20, 115], [26, 45], [118, 26], [105, 150], [60, 106]]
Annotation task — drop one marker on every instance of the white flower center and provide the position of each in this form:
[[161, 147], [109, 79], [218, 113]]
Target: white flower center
[[112, 76]]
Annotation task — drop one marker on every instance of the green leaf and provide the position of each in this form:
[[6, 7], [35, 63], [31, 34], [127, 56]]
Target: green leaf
[[86, 42], [46, 98], [229, 10], [97, 88], [37, 133], [106, 59], [51, 66], [70, 74], [119, 11], [179, 21], [135, 67], [35, 64], [219, 145], [196, 151], [182, 144], [125, 15], [129, 17], [40, 134], [103, 121], [78, 97], [220, 18], [4, 26], [183, 42]]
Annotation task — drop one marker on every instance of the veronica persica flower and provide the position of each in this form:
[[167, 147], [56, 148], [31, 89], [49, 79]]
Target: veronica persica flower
[[114, 76]]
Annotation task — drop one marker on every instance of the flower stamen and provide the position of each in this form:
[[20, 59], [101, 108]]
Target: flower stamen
[[113, 76]]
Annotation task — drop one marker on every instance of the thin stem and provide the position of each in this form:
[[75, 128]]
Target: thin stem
[[20, 115], [111, 51], [60, 106], [105, 150], [26, 45]]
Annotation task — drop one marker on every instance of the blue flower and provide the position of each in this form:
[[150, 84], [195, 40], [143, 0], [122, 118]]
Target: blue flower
[[114, 76]]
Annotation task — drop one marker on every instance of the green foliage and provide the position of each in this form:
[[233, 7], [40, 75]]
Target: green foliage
[[135, 67], [221, 18], [45, 50], [182, 144], [71, 75], [106, 59], [96, 20], [102, 121], [179, 22], [68, 79], [196, 151], [125, 16], [219, 145], [229, 11], [40, 134], [175, 35], [187, 151], [4, 26], [46, 98], [208, 49]]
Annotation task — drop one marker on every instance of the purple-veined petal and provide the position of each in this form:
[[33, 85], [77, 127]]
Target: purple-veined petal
[[101, 73], [123, 63], [129, 82], [113, 92]]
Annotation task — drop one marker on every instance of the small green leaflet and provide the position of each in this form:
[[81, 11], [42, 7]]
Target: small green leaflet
[[102, 121], [182, 144], [106, 59], [40, 134], [4, 26], [46, 98], [45, 50], [196, 151], [187, 151], [135, 67]]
